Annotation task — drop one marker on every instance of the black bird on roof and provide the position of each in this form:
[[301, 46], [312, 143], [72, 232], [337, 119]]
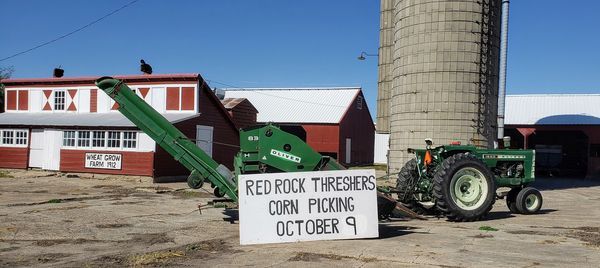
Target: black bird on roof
[[145, 68], [58, 72]]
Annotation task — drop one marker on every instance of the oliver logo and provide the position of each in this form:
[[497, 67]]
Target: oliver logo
[[286, 156]]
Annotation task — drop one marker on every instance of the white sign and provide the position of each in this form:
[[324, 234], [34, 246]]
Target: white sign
[[303, 206], [103, 161]]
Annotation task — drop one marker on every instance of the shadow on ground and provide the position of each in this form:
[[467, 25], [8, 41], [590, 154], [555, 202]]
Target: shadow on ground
[[390, 230], [497, 215], [553, 183]]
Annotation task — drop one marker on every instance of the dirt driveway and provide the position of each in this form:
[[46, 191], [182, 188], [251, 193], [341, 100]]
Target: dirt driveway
[[49, 219]]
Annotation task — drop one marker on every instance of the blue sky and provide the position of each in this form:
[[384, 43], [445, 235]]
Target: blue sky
[[553, 45]]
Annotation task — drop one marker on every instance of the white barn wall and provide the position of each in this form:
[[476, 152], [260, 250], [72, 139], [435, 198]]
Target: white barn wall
[[36, 98], [382, 145], [83, 105], [146, 144], [159, 99]]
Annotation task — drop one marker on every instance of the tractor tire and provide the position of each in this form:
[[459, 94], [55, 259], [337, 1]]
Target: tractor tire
[[511, 200], [407, 177], [217, 192], [529, 200], [464, 188], [194, 183]]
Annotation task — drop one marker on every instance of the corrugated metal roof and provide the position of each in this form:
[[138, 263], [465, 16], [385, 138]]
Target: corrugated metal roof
[[84, 120], [553, 109], [298, 105]]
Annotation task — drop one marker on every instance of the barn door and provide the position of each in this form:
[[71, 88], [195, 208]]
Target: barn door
[[36, 149], [348, 159], [52, 144], [204, 138]]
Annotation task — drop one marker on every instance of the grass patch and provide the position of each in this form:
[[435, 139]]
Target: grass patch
[[487, 228], [5, 174], [54, 201]]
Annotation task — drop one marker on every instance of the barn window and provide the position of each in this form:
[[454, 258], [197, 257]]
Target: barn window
[[59, 100], [129, 139], [21, 137], [83, 139], [98, 138], [359, 102], [14, 138], [8, 137], [114, 139], [69, 138]]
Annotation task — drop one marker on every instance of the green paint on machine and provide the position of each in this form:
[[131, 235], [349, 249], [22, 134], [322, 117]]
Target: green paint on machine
[[263, 149], [460, 181]]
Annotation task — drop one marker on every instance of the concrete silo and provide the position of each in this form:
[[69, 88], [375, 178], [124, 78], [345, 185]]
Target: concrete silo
[[444, 76]]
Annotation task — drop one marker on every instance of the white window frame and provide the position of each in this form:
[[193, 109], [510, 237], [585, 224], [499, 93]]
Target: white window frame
[[88, 139], [55, 97], [133, 140], [8, 137], [17, 103], [14, 138], [110, 138], [180, 89], [25, 137], [105, 140], [67, 139]]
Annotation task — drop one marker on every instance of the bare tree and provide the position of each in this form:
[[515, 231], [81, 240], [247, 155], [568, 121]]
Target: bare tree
[[5, 72]]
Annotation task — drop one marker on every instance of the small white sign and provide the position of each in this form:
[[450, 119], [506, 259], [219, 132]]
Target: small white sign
[[103, 161], [305, 206]]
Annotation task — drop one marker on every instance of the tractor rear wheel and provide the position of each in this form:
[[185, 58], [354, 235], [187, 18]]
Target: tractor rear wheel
[[464, 188], [405, 185], [511, 200], [407, 178], [529, 200]]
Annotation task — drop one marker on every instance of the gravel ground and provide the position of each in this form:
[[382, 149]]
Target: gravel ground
[[76, 220]]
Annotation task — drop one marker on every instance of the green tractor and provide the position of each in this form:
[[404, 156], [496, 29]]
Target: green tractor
[[462, 181]]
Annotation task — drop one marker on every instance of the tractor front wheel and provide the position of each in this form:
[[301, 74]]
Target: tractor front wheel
[[464, 188], [511, 200], [529, 200]]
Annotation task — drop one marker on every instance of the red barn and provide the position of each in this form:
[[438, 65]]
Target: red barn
[[564, 130], [333, 121], [68, 124]]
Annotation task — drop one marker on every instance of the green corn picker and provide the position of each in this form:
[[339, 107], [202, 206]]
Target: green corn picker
[[459, 181], [263, 149]]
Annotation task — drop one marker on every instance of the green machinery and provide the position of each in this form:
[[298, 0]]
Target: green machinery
[[262, 148], [459, 181], [462, 182]]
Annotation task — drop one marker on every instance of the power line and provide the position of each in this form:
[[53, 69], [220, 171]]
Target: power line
[[276, 96], [70, 33]]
